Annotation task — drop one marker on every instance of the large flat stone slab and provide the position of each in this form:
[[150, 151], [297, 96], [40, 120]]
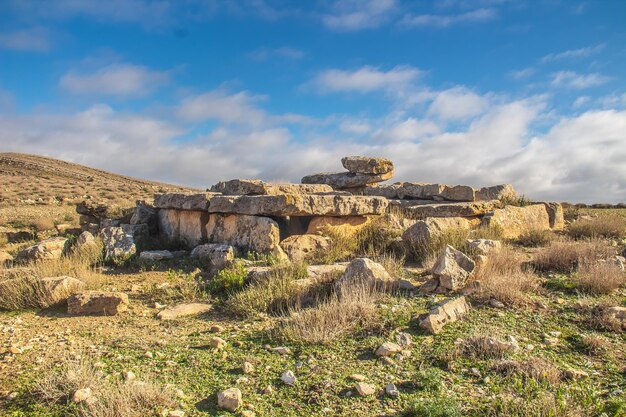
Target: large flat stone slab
[[258, 187], [254, 233], [421, 209], [299, 205], [515, 221], [346, 180], [186, 226], [496, 192], [367, 165], [199, 201], [422, 191]]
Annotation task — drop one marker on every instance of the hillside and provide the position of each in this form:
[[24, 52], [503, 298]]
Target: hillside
[[35, 187]]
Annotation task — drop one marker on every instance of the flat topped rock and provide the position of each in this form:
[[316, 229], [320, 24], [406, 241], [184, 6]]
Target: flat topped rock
[[299, 205], [367, 165], [258, 187], [182, 310], [423, 191], [199, 201], [496, 192], [345, 180], [421, 209]]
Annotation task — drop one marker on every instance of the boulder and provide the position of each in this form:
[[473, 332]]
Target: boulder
[[180, 201], [422, 209], [363, 271], [301, 248], [85, 239], [298, 205], [424, 231], [367, 165], [422, 191], [145, 214], [229, 399], [388, 349], [452, 268], [483, 246], [218, 255], [52, 248], [122, 242], [258, 187], [515, 221], [58, 289], [258, 234], [344, 180], [288, 378], [182, 310], [349, 224], [156, 255], [496, 192], [446, 312], [93, 209], [555, 215], [97, 303]]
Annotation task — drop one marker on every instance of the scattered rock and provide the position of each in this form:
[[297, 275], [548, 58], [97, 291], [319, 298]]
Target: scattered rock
[[483, 246], [425, 231], [217, 342], [217, 254], [52, 248], [58, 289], [85, 239], [575, 374], [364, 389], [453, 268], [82, 395], [388, 349], [366, 165], [156, 255], [281, 350], [229, 399], [288, 378], [446, 312], [496, 192], [358, 377], [404, 339], [181, 310], [300, 248], [129, 376], [392, 390], [121, 242], [216, 328], [363, 271], [97, 303], [247, 368]]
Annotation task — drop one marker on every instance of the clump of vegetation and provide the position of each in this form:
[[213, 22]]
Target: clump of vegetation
[[504, 278], [566, 256], [42, 224], [485, 347], [426, 251], [606, 225], [228, 280], [594, 345], [599, 277], [434, 407], [544, 404], [535, 238], [602, 319], [180, 286], [491, 232], [536, 369]]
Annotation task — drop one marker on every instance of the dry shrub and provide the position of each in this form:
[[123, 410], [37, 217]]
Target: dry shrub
[[486, 347], [536, 369], [602, 319], [392, 263], [343, 245], [491, 232], [377, 236], [594, 345], [115, 398], [600, 277], [42, 224], [566, 256], [545, 404], [535, 238], [605, 225], [427, 250], [334, 318], [504, 277]]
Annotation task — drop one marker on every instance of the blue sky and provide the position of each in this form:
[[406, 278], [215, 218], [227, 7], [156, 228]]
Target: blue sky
[[192, 92]]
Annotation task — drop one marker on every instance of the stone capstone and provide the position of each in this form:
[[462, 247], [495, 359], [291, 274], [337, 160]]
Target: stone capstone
[[258, 187], [452, 268], [422, 191], [367, 165], [346, 180], [496, 192], [97, 303], [446, 312], [180, 201], [422, 209]]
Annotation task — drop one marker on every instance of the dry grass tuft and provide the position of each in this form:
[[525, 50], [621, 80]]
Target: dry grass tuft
[[42, 224], [504, 278], [605, 225], [566, 256], [595, 345], [602, 319], [536, 369], [426, 251], [535, 238], [334, 318], [486, 347], [600, 277], [115, 398]]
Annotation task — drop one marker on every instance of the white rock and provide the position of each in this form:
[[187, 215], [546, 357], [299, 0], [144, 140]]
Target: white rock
[[288, 378]]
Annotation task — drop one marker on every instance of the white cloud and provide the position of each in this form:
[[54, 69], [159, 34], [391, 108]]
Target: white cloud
[[573, 53], [238, 108], [117, 80], [442, 21], [575, 80], [581, 101], [284, 52], [458, 103], [521, 74], [355, 127], [353, 15], [34, 40], [410, 130], [366, 79]]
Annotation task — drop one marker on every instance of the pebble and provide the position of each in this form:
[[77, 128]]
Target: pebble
[[288, 378], [392, 390], [365, 389]]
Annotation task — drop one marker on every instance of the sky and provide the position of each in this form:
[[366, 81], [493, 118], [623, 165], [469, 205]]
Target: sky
[[476, 92]]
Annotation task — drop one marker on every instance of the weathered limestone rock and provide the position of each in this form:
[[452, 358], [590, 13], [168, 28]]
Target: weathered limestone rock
[[388, 349], [617, 313], [422, 191], [556, 215], [58, 289], [298, 205], [199, 201], [496, 192], [97, 303], [363, 271], [229, 399], [218, 255], [303, 247], [483, 246], [350, 224], [156, 255], [52, 248], [93, 209], [182, 310], [446, 312], [258, 187], [421, 209], [424, 231], [514, 221], [145, 214], [122, 242], [343, 180], [288, 378], [364, 389], [452, 268], [367, 165], [85, 239], [258, 234], [187, 226]]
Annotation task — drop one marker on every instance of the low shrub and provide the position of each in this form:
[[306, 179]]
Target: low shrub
[[485, 347], [594, 345], [599, 277], [42, 224], [566, 256], [605, 225], [434, 407], [536, 369], [535, 238], [428, 250], [228, 280]]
